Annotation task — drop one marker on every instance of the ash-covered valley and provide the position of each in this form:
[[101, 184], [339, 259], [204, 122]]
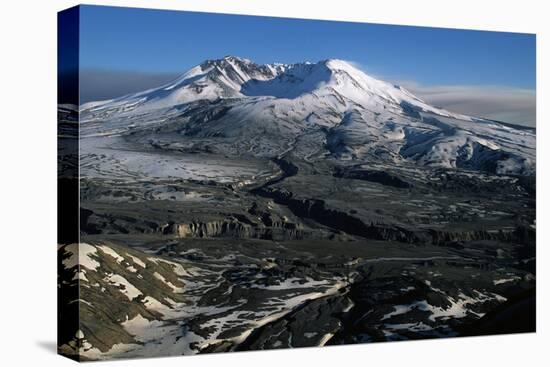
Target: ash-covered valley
[[247, 207]]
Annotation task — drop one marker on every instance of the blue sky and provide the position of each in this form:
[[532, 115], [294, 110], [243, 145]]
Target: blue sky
[[121, 40], [170, 41]]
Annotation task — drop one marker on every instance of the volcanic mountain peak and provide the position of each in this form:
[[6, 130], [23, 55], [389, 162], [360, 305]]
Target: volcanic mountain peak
[[331, 107], [235, 77]]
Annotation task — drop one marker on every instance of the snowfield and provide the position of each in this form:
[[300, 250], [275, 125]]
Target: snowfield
[[170, 334]]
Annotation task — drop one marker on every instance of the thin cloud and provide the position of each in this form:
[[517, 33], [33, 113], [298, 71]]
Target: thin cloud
[[513, 105], [507, 104]]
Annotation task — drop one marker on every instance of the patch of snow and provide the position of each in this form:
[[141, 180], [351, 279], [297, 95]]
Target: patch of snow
[[325, 339], [177, 267], [109, 251], [506, 280], [457, 309], [82, 255], [137, 261], [124, 286], [80, 275], [169, 284]]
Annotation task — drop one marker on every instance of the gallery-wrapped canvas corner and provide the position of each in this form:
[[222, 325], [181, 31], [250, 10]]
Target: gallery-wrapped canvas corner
[[235, 183]]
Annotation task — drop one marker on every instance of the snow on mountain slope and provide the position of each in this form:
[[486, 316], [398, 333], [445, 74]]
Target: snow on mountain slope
[[210, 80], [262, 110], [233, 77]]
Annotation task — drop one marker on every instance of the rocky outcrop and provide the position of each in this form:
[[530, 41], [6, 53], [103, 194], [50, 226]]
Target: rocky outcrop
[[317, 210], [519, 234], [341, 221], [278, 230]]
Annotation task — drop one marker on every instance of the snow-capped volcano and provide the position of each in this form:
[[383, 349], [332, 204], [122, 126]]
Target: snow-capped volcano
[[333, 109], [234, 77]]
